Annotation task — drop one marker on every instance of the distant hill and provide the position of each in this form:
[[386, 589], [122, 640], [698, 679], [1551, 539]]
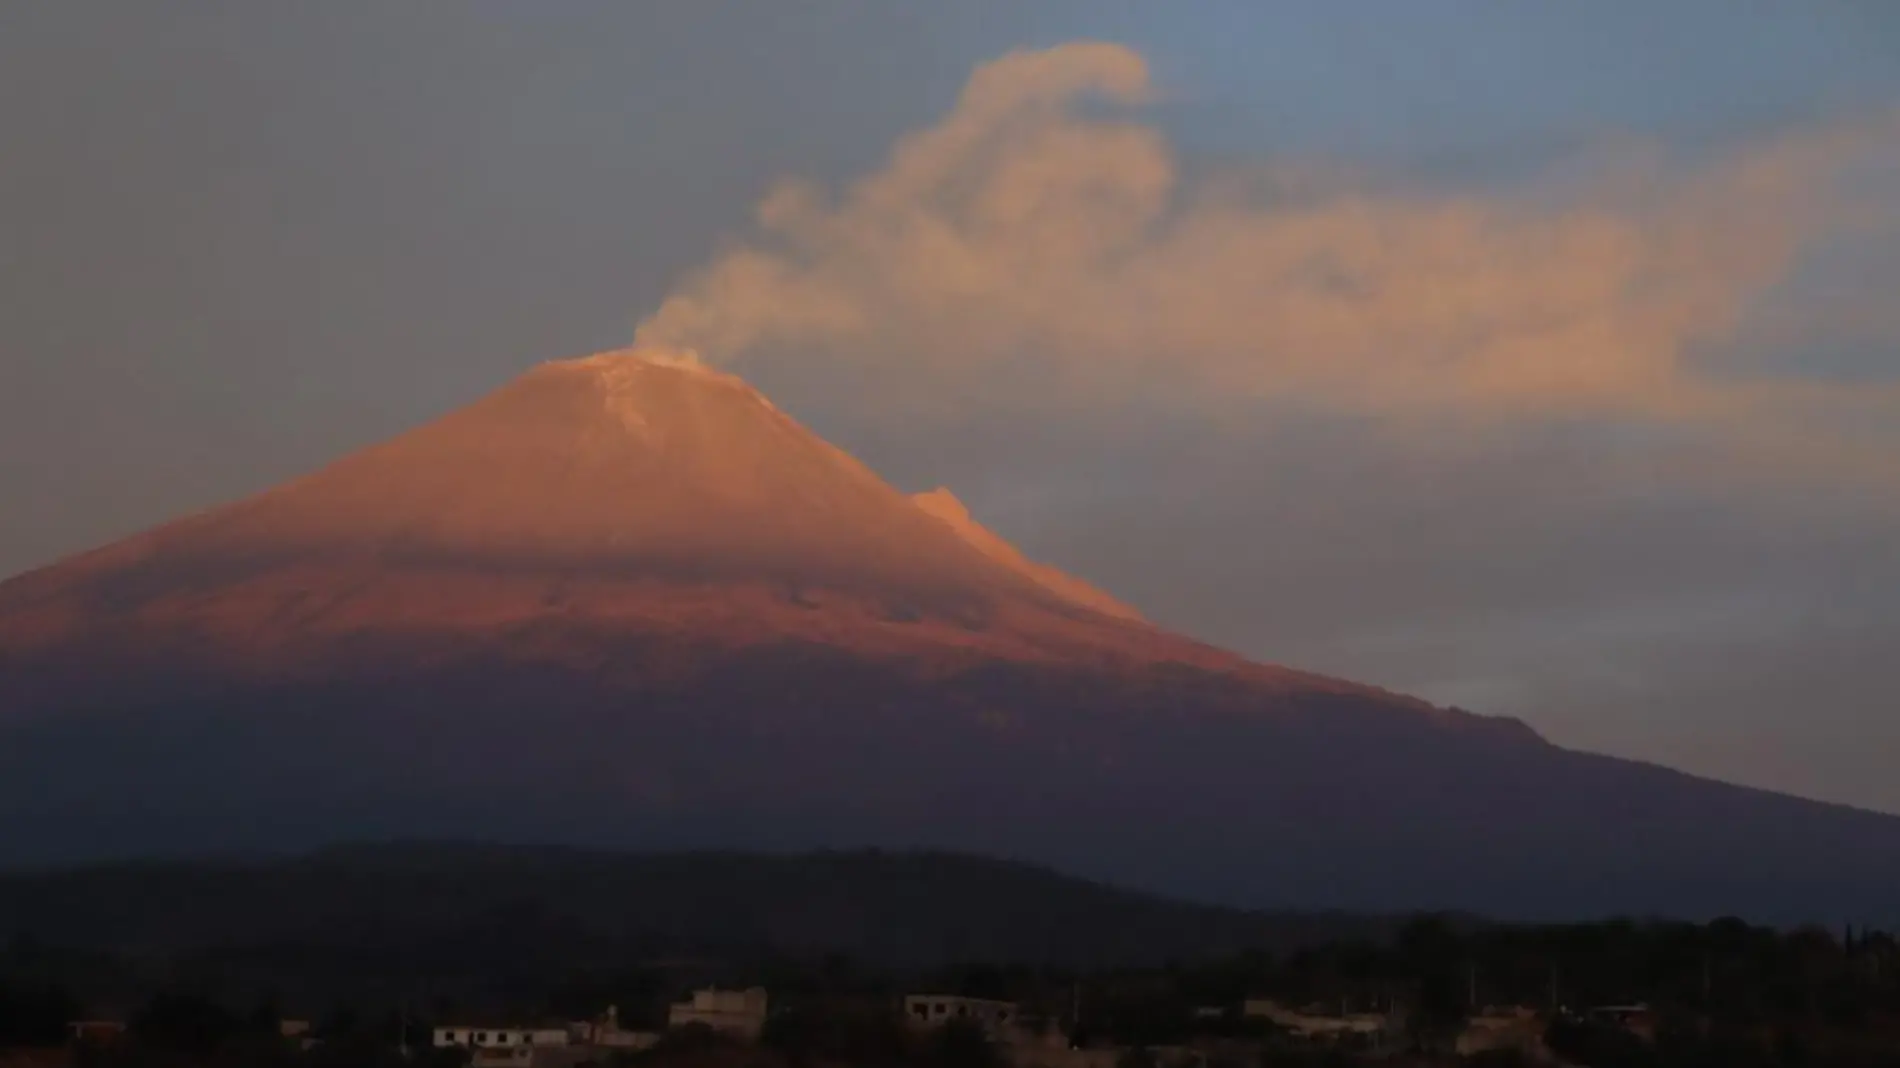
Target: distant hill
[[456, 909]]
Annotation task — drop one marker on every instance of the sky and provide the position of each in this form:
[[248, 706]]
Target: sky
[[1538, 359]]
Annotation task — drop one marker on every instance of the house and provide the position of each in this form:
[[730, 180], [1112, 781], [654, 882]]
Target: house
[[739, 1013], [998, 1019], [479, 1037]]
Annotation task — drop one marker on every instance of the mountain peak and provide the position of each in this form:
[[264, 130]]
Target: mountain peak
[[633, 485], [638, 387], [617, 368]]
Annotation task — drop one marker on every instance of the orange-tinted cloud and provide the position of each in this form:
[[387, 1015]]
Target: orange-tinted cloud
[[1043, 223]]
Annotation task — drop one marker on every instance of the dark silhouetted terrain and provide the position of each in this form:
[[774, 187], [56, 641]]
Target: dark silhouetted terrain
[[440, 906]]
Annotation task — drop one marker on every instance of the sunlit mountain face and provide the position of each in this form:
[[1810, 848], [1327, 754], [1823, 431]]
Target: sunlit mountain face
[[625, 600]]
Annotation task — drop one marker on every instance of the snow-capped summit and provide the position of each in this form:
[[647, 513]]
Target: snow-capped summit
[[635, 483]]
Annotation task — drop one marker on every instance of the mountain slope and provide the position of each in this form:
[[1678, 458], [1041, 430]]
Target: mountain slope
[[943, 504], [642, 494], [626, 601]]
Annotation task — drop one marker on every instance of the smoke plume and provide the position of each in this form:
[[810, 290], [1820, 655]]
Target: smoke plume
[[1045, 224]]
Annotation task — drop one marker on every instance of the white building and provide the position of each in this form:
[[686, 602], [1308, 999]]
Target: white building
[[740, 1013], [998, 1019], [485, 1037]]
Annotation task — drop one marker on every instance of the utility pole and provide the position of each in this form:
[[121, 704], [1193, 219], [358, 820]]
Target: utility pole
[[1075, 1012]]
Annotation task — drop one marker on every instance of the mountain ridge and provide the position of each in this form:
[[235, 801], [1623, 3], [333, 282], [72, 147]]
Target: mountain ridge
[[625, 601]]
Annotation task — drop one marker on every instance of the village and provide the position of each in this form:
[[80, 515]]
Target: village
[[951, 1030], [1434, 993]]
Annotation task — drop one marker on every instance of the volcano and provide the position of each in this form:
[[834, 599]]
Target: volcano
[[626, 601], [640, 497]]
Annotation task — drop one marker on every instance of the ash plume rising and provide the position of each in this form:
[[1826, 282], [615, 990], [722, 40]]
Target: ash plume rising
[[1045, 222]]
